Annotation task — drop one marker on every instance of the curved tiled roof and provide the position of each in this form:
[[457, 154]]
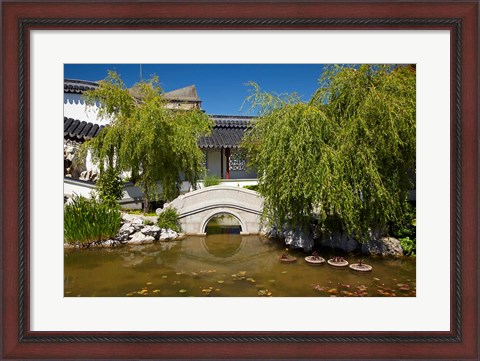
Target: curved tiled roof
[[227, 131], [78, 86], [75, 129], [186, 94]]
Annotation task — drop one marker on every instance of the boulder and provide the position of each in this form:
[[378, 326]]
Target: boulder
[[153, 231], [384, 246], [342, 242], [167, 234], [126, 228], [140, 238], [298, 239]]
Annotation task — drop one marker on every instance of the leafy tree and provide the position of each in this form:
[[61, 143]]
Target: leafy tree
[[155, 143], [110, 187], [345, 156]]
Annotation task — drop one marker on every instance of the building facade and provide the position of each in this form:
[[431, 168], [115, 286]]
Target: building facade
[[223, 157]]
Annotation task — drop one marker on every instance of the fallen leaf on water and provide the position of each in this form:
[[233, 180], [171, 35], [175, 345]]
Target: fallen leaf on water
[[182, 290], [217, 289], [333, 290], [129, 294], [220, 281], [156, 291], [164, 276], [206, 290], [284, 271], [376, 279], [272, 281], [242, 273], [148, 283]]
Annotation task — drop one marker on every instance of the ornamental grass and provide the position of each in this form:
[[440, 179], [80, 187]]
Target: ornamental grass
[[169, 219], [87, 221]]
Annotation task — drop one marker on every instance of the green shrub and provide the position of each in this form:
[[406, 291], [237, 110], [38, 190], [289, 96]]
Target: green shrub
[[405, 230], [409, 246], [169, 219], [253, 187], [211, 180], [90, 220], [110, 186], [148, 222]]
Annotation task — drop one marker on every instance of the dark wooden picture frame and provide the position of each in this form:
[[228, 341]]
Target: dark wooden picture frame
[[460, 18]]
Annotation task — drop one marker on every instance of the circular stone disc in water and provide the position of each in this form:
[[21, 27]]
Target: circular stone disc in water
[[314, 260], [331, 262], [287, 259], [361, 268]]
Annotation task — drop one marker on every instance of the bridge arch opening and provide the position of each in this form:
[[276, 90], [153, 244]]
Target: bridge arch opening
[[222, 223]]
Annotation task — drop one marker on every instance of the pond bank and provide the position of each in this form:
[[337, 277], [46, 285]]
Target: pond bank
[[139, 229], [135, 230], [378, 245]]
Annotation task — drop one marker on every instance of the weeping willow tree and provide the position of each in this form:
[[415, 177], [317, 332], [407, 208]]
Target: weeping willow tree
[[345, 157], [156, 144]]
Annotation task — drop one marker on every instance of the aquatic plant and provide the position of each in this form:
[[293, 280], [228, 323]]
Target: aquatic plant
[[89, 220]]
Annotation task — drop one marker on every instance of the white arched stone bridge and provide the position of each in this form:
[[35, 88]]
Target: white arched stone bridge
[[197, 208]]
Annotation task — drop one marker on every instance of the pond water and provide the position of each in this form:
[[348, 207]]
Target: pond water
[[227, 264]]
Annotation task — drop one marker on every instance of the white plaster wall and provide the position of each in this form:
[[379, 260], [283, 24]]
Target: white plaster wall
[[213, 162], [74, 107]]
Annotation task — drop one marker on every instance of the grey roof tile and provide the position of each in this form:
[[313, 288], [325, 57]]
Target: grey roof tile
[[78, 86], [79, 130], [188, 93], [227, 132]]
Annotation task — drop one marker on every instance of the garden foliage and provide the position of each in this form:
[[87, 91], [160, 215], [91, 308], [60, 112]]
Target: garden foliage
[[88, 220], [345, 156], [211, 180], [169, 219], [155, 143]]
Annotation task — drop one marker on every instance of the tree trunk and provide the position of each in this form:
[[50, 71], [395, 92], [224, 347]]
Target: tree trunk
[[146, 202]]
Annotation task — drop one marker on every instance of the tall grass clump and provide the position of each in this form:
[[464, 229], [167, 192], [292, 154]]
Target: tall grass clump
[[169, 219], [211, 180], [87, 221]]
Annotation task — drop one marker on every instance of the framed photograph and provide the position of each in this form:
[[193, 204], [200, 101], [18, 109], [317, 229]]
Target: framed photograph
[[40, 319]]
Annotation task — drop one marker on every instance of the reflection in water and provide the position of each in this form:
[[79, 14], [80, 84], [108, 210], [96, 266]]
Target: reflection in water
[[223, 238], [221, 246], [225, 265], [223, 223]]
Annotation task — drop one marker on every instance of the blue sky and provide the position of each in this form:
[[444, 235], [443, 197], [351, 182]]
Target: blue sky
[[221, 87]]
